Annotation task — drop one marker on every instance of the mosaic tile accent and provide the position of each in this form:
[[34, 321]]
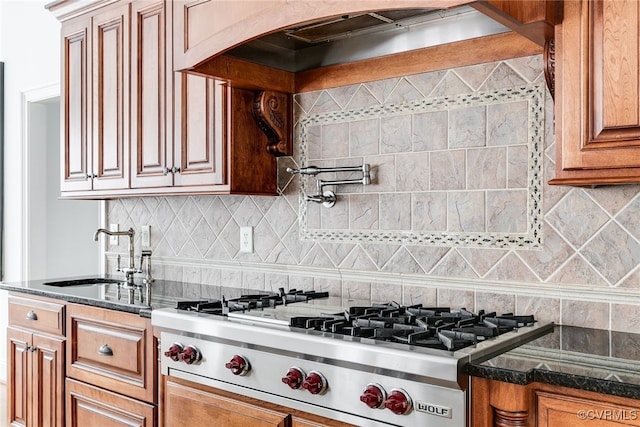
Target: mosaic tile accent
[[471, 201], [587, 264]]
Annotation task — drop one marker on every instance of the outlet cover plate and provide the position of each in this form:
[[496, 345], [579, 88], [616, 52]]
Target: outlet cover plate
[[113, 240], [145, 237], [246, 239]]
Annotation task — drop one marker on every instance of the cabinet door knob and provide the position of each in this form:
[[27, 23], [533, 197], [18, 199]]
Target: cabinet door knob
[[105, 350], [31, 315], [176, 169]]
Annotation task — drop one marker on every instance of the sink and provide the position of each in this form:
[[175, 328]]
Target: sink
[[82, 282]]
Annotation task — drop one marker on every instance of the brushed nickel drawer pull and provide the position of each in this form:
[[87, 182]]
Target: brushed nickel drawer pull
[[105, 350], [31, 315]]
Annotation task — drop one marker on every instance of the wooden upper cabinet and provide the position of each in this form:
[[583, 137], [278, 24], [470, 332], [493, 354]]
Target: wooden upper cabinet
[[200, 133], [597, 86], [151, 152], [111, 91], [75, 141]]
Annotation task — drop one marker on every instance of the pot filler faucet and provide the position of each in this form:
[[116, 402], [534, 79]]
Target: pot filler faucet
[[131, 270], [328, 197]]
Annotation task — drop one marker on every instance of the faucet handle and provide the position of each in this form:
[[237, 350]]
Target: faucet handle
[[118, 267]]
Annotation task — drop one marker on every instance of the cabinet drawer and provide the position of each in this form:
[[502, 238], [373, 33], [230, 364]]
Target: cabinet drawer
[[111, 349], [38, 314], [92, 406]]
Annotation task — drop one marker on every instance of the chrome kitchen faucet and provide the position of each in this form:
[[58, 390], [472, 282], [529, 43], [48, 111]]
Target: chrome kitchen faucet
[[131, 270]]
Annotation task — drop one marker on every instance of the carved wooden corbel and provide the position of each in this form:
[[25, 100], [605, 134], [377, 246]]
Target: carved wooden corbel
[[550, 66], [272, 113]]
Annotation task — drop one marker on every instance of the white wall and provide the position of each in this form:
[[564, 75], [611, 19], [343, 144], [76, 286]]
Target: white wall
[[30, 49]]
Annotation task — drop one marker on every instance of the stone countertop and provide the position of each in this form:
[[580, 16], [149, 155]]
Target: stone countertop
[[587, 359], [97, 290]]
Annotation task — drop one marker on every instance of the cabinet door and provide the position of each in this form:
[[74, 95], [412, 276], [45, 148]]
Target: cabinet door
[[19, 377], [151, 149], [186, 405], [111, 72], [560, 410], [92, 406], [48, 379], [75, 142], [597, 103], [200, 130]]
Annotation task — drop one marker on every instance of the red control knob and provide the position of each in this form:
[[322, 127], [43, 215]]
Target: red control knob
[[315, 383], [373, 396], [238, 365], [174, 351], [190, 355], [398, 402], [294, 378]]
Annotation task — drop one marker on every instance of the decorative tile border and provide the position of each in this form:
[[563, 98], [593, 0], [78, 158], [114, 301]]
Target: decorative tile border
[[532, 238]]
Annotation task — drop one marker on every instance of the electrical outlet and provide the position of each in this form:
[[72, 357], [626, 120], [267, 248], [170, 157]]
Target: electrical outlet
[[145, 237], [246, 239], [113, 240]]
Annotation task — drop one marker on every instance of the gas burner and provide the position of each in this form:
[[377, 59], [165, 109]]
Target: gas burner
[[250, 301], [432, 327]]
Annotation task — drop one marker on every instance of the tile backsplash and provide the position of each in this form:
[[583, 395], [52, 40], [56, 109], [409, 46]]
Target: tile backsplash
[[584, 273]]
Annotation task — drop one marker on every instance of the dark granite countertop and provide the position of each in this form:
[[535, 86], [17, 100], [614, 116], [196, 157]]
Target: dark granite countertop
[[98, 291], [581, 358]]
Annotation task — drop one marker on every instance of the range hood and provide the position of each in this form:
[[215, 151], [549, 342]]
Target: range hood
[[349, 38]]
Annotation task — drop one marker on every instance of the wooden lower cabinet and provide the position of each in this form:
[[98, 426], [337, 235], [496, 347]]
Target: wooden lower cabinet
[[496, 403], [187, 403], [35, 379], [88, 405]]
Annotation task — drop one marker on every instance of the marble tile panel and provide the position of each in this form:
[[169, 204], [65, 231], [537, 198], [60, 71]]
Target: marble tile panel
[[264, 240], [343, 94], [577, 271], [357, 259], [503, 76], [335, 140], [337, 217], [354, 292], [467, 127], [466, 211], [486, 168], [456, 299], [217, 216], [403, 262], [498, 302], [588, 314], [274, 281], [203, 236], [429, 211], [412, 171], [622, 200], [380, 254], [454, 265], [403, 91], [426, 82], [337, 251], [529, 67], [395, 211], [613, 252], [395, 134], [364, 137], [430, 131], [577, 217], [511, 269], [314, 142], [364, 213], [363, 98], [383, 174], [450, 85], [412, 295], [324, 103], [595, 339], [447, 170], [625, 318], [317, 257], [475, 75], [517, 166], [507, 211], [482, 259], [381, 89], [507, 124], [384, 293], [253, 280], [333, 286], [428, 256], [543, 309], [554, 253]]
